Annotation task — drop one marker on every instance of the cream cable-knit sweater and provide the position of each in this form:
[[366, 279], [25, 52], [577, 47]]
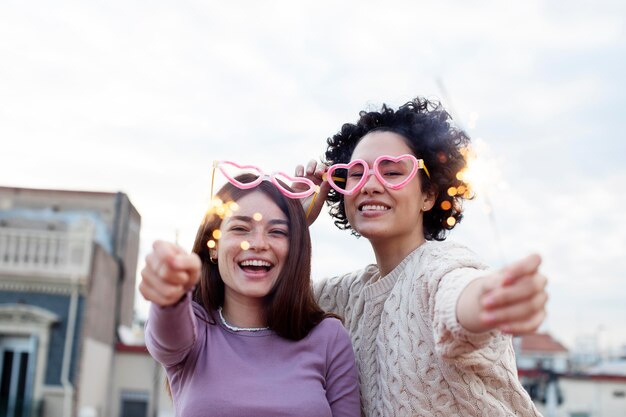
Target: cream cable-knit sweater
[[413, 356]]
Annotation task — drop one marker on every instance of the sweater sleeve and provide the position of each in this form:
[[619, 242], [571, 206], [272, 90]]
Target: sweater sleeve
[[171, 331], [342, 385], [451, 274]]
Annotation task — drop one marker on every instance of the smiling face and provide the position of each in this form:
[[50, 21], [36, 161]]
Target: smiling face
[[379, 213], [260, 226]]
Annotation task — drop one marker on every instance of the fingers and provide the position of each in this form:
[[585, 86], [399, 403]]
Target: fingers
[[496, 296], [521, 315], [525, 326], [313, 204], [186, 261], [523, 267], [192, 265], [165, 250], [514, 299], [313, 170], [162, 269], [169, 273], [155, 290], [517, 308]]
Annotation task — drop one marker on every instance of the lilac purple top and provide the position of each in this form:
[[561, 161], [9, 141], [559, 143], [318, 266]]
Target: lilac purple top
[[215, 371]]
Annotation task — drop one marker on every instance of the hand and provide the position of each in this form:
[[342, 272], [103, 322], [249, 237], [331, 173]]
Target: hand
[[169, 274], [513, 299], [314, 203]]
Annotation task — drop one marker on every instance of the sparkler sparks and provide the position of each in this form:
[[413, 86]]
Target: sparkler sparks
[[482, 173], [222, 209]]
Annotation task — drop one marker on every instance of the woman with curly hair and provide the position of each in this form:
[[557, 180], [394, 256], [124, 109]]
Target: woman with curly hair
[[430, 324]]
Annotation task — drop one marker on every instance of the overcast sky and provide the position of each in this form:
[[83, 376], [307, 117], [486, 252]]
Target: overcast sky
[[140, 97]]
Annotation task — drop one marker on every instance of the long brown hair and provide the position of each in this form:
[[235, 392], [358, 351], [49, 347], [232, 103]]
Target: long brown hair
[[290, 309]]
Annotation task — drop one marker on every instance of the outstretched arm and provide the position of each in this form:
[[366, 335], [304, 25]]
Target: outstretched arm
[[512, 299], [167, 279]]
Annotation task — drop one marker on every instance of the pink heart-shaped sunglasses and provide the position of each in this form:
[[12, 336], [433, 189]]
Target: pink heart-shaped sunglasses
[[393, 172], [279, 179]]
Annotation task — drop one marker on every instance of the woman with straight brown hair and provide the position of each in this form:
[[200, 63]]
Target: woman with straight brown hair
[[235, 324]]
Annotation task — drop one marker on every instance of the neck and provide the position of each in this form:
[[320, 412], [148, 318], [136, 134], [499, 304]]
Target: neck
[[390, 252], [242, 313]]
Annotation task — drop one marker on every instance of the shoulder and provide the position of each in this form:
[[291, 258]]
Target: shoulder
[[329, 328], [203, 315], [349, 279], [331, 336], [435, 260], [450, 255], [337, 294], [199, 310], [329, 325]]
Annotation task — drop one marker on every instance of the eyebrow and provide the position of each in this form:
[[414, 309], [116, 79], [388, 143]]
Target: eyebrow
[[387, 162], [249, 219]]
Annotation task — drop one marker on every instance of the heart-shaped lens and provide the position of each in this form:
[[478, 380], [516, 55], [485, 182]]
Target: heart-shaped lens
[[347, 178], [243, 176], [293, 187], [395, 172]]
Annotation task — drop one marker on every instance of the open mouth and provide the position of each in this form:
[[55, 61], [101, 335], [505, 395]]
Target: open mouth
[[255, 265], [373, 207]]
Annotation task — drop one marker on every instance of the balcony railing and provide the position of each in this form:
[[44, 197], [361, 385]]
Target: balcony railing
[[44, 252]]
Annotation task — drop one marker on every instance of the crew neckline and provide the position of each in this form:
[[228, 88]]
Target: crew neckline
[[264, 331], [384, 284]]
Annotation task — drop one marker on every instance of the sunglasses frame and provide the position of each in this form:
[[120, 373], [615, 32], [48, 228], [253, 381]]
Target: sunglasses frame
[[313, 188], [367, 171]]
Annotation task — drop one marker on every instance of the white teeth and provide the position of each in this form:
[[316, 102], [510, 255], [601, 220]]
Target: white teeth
[[255, 262], [371, 207]]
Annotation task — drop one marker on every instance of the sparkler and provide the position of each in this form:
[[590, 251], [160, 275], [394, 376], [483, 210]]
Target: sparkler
[[482, 174]]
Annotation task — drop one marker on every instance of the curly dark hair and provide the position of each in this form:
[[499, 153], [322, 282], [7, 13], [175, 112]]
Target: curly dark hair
[[428, 131]]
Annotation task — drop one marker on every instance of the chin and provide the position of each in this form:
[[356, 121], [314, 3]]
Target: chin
[[372, 232], [257, 292]]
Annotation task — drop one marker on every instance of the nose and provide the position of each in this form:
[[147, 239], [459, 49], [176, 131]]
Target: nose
[[258, 241], [372, 184]]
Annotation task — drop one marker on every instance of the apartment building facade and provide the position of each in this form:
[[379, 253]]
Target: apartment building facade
[[68, 261]]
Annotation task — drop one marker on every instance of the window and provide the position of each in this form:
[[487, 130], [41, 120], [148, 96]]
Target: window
[[134, 404], [16, 372]]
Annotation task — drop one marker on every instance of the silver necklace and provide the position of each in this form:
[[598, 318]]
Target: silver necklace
[[238, 329]]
